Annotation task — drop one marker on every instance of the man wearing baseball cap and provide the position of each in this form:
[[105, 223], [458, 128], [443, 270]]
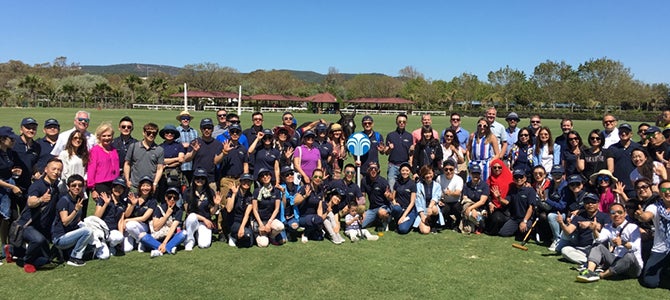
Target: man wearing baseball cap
[[512, 131], [187, 134], [205, 152], [578, 233], [376, 144], [28, 152], [51, 130], [619, 155]]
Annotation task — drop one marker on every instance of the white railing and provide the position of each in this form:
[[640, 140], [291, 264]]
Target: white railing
[[228, 108], [283, 109], [431, 112], [163, 106], [373, 111]]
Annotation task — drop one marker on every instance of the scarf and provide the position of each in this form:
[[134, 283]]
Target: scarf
[[502, 181], [266, 191]]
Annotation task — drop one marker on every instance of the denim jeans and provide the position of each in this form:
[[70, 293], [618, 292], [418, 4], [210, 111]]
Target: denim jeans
[[78, 238], [391, 174], [6, 201], [405, 227], [553, 224], [371, 216], [37, 252], [151, 242], [651, 274]]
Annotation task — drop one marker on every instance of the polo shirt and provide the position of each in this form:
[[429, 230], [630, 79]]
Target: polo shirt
[[204, 157], [143, 161], [585, 236], [45, 154], [266, 205], [113, 212], [201, 205], [403, 191], [67, 204], [140, 209], [172, 150], [475, 191], [310, 204], [242, 201], [453, 184], [402, 141], [376, 139], [265, 158], [161, 209], [44, 214], [233, 163], [121, 145], [623, 162], [519, 201], [375, 189], [28, 155]]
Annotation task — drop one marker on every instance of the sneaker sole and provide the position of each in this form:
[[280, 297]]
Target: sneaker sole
[[586, 279], [69, 263]]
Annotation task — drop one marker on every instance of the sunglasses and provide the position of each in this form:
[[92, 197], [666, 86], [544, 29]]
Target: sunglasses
[[234, 121], [221, 116], [52, 127], [496, 167], [373, 168], [573, 139], [76, 185], [287, 174], [151, 133], [538, 173], [349, 172], [608, 121], [207, 128], [603, 178], [126, 127], [171, 197], [616, 212], [448, 136], [317, 177], [535, 122], [367, 123], [594, 138], [235, 132], [455, 119], [524, 135], [288, 118], [664, 190], [482, 125], [517, 177], [185, 118], [85, 120], [200, 178], [402, 122], [642, 187], [575, 184], [258, 119], [449, 169]]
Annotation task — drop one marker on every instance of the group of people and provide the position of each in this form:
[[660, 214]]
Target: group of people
[[604, 207]]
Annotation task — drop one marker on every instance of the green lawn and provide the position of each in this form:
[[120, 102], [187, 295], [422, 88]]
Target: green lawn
[[436, 266]]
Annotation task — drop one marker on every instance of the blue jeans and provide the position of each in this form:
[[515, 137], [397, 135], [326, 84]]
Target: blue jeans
[[371, 216], [78, 238], [651, 274], [151, 242], [405, 227], [553, 224], [566, 240], [391, 174], [37, 252], [6, 201]]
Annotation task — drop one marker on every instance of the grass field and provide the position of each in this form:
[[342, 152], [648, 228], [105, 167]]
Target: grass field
[[437, 266]]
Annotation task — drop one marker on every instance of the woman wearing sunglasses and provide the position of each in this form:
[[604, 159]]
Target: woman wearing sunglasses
[[201, 203], [165, 236], [593, 159], [573, 150], [521, 154], [659, 214], [604, 183], [483, 147]]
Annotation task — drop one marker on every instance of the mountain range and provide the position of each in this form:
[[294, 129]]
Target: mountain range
[[145, 70]]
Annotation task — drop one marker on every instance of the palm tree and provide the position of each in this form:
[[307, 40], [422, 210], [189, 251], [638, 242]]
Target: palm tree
[[32, 83], [132, 82], [100, 91], [70, 92], [158, 86]]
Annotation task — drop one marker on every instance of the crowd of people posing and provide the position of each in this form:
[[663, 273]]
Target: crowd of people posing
[[604, 207]]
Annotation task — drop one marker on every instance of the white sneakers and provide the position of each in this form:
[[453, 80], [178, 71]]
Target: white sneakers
[[189, 246], [156, 253]]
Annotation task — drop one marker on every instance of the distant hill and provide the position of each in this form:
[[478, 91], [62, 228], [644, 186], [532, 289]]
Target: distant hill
[[144, 70]]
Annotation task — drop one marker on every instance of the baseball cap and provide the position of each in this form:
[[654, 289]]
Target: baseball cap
[[28, 121], [519, 172], [512, 116], [652, 130], [367, 118], [557, 169], [475, 168], [120, 181], [591, 198], [309, 133], [51, 122], [234, 127], [574, 178], [246, 176], [172, 190], [321, 127], [625, 126], [199, 172], [205, 122]]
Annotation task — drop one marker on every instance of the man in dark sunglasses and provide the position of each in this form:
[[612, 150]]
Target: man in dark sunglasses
[[144, 158], [512, 130], [611, 132], [81, 122], [619, 155], [124, 140]]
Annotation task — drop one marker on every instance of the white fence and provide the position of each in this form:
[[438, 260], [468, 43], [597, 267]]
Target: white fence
[[283, 109], [228, 108], [373, 111], [430, 112], [163, 106]]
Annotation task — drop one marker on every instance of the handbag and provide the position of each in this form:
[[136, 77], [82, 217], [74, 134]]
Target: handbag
[[16, 233]]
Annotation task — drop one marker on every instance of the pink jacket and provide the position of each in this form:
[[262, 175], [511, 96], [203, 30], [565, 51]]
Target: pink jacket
[[103, 166]]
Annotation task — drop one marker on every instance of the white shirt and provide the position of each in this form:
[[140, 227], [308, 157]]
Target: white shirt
[[453, 184], [611, 138], [62, 140], [630, 233], [659, 235]]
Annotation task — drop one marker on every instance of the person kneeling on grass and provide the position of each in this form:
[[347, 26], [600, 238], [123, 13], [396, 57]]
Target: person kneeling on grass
[[65, 231], [354, 229], [165, 226], [428, 195], [111, 208], [265, 205], [200, 203], [625, 257], [520, 201]]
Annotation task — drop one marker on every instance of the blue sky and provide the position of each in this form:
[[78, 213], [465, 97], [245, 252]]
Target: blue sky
[[441, 39]]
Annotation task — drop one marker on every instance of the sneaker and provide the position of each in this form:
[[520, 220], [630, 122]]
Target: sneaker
[[304, 239], [467, 229], [189, 246], [140, 248], [553, 245], [588, 276], [372, 237], [8, 254], [29, 268], [581, 268], [156, 253], [75, 262], [231, 241], [354, 238], [173, 250], [336, 240]]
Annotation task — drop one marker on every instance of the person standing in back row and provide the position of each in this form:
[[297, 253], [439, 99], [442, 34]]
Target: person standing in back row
[[81, 121], [124, 140], [187, 134], [398, 143]]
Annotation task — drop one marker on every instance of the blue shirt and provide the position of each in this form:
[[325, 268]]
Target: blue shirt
[[519, 201], [475, 191], [199, 203], [43, 215], [121, 145], [45, 154], [225, 136], [172, 150], [376, 139], [512, 137], [204, 157], [266, 205], [28, 155], [187, 135], [233, 163]]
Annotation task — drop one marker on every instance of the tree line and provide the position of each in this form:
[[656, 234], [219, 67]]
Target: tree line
[[595, 84]]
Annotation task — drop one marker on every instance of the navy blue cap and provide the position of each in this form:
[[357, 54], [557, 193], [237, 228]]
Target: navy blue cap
[[51, 122], [263, 170], [199, 172], [321, 127], [234, 127], [205, 122], [367, 118], [574, 178], [169, 128], [308, 133], [557, 169], [518, 172], [246, 176], [652, 130], [267, 132], [286, 169], [28, 121], [625, 126], [591, 198], [120, 181], [475, 168], [146, 178], [7, 131], [172, 190]]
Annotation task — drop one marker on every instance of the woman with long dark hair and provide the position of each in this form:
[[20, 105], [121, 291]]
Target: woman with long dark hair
[[646, 167], [201, 203], [404, 199], [521, 154], [570, 155], [238, 204], [545, 152], [593, 159], [427, 152], [75, 160]]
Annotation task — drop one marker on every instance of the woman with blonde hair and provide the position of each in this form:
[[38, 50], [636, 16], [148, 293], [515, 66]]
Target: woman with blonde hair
[[103, 164]]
